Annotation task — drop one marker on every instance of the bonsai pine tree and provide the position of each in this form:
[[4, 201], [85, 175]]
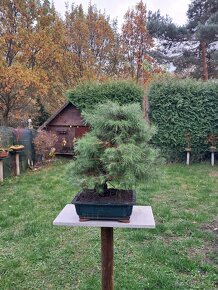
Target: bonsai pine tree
[[116, 151]]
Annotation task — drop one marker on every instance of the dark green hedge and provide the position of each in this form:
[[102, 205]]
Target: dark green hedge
[[87, 95], [181, 107]]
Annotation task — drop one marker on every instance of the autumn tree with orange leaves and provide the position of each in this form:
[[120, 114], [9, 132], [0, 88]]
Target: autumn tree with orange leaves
[[136, 44], [30, 51], [41, 55], [90, 42]]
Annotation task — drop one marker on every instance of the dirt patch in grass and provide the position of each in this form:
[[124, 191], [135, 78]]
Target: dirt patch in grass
[[211, 227], [167, 240], [207, 252], [210, 250], [184, 186], [159, 198], [214, 174], [201, 251]]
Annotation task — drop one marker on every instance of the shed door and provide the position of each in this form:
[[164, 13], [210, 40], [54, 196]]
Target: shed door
[[80, 131], [70, 136], [65, 139]]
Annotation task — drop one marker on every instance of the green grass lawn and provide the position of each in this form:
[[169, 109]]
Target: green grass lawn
[[179, 254]]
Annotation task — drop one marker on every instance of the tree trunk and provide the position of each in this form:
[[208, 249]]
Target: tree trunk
[[146, 109], [204, 60], [5, 118], [101, 189]]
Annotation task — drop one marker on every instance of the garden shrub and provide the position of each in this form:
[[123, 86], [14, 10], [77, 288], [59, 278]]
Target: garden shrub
[[185, 113], [44, 144], [87, 95]]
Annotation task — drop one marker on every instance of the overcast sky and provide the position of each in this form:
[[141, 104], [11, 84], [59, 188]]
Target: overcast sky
[[176, 9]]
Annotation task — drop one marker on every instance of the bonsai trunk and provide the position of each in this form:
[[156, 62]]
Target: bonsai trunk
[[101, 189]]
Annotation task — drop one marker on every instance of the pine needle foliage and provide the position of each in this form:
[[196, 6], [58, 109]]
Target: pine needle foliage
[[116, 151]]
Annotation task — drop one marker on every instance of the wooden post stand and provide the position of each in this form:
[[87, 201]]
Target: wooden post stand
[[1, 171], [188, 153], [188, 158], [212, 158], [17, 162], [107, 258], [142, 217]]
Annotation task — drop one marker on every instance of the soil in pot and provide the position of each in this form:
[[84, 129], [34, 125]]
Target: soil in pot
[[113, 205], [111, 195]]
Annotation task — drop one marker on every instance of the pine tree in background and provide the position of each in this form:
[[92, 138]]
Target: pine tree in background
[[116, 151], [42, 115], [203, 26], [193, 47]]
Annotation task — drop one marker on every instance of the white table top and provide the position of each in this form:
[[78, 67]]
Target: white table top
[[142, 217]]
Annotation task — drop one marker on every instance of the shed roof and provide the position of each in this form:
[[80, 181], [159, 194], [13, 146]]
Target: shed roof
[[54, 115]]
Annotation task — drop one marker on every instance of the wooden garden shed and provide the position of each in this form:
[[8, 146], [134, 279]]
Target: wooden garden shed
[[68, 124]]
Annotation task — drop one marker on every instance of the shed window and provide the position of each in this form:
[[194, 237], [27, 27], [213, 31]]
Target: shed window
[[62, 132]]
